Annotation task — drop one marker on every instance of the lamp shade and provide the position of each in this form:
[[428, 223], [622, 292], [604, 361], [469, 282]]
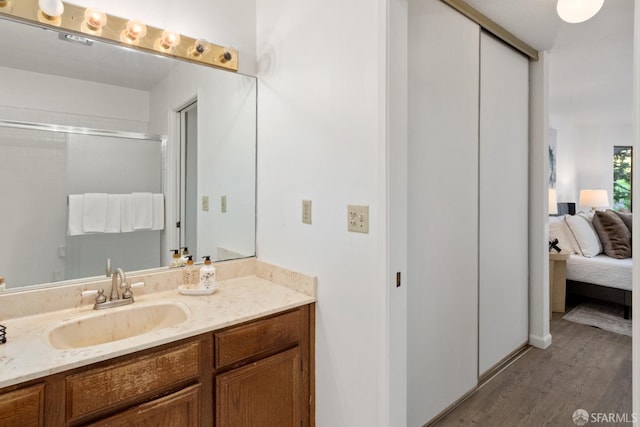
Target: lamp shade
[[594, 198], [576, 11], [553, 202]]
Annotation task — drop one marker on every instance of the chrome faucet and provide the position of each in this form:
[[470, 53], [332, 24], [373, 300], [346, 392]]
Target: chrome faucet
[[115, 295], [118, 281]]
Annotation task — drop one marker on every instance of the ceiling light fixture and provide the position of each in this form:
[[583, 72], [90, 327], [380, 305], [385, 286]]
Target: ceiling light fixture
[[50, 11], [576, 11]]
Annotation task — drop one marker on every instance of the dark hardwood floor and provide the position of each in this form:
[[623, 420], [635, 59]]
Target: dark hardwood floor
[[585, 368]]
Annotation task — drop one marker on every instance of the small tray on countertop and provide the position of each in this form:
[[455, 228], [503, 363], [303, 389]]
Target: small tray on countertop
[[195, 291]]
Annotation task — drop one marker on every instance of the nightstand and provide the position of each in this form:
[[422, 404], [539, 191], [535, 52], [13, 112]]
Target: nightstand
[[557, 281]]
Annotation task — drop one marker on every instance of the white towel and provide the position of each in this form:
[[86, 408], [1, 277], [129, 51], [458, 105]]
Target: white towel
[[142, 211], [76, 202], [158, 212], [126, 213], [113, 214], [94, 212]]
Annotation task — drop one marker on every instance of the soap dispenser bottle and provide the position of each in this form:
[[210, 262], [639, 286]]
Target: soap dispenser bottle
[[175, 261], [189, 274], [207, 274], [185, 253]]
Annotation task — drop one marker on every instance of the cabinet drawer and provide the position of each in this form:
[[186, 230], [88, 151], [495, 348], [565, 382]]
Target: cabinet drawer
[[180, 409], [255, 338], [101, 388], [23, 407]]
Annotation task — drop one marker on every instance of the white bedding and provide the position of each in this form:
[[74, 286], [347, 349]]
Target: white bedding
[[600, 270]]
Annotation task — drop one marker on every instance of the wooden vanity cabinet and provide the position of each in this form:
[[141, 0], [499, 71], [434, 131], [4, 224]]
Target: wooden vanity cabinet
[[92, 394], [262, 372], [22, 407], [254, 374]]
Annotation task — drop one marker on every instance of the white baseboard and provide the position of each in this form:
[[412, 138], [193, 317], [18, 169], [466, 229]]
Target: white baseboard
[[540, 342]]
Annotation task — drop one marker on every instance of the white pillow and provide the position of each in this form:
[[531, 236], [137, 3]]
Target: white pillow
[[558, 229], [585, 235]]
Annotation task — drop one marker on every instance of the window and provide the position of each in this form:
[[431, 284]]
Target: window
[[622, 178]]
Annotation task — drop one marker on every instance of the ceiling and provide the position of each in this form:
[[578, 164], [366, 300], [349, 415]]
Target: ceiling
[[590, 64]]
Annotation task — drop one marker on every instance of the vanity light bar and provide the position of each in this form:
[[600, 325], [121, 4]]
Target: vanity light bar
[[152, 39]]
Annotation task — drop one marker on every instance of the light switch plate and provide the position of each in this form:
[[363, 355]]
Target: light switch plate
[[223, 204], [358, 218], [205, 203], [306, 211]]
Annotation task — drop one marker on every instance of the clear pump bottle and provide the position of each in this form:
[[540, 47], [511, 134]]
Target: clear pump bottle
[[176, 261], [189, 274]]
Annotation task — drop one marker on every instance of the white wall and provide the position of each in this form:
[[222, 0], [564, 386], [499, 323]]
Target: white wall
[[45, 98], [225, 23], [585, 157], [539, 335], [321, 121], [226, 152]]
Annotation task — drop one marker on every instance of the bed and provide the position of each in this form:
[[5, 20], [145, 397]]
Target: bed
[[600, 263]]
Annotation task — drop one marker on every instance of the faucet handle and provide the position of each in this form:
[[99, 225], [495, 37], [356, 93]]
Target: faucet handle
[[100, 297], [127, 289]]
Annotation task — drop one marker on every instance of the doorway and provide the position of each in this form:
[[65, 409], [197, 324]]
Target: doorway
[[188, 119]]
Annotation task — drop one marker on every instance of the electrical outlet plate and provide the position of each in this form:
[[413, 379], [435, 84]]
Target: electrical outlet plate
[[205, 203], [358, 218], [223, 204], [306, 211]]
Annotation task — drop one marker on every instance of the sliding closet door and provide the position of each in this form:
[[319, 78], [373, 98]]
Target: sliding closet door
[[503, 286], [442, 263]]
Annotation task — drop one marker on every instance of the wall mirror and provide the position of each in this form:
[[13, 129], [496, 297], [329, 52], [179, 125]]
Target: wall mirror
[[82, 117]]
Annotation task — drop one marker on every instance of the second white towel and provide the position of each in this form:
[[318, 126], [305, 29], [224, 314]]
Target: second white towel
[[113, 214]]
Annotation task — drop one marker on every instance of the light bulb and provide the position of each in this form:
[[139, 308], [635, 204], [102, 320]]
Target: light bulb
[[576, 11], [6, 6], [200, 47], [225, 56], [169, 40], [134, 31], [94, 20], [51, 8]]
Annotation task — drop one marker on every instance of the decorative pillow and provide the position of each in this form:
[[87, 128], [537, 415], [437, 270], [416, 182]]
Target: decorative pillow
[[626, 217], [585, 235], [614, 234], [558, 229]]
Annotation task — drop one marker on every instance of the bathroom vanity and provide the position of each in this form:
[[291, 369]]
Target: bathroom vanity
[[243, 355]]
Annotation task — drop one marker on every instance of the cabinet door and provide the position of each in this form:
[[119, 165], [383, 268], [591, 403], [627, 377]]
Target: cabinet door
[[22, 407], [266, 393], [180, 409]]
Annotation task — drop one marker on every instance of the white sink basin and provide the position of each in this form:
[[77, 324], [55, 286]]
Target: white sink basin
[[115, 324]]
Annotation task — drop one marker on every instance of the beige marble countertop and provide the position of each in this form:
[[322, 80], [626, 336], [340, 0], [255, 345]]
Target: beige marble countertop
[[29, 355]]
